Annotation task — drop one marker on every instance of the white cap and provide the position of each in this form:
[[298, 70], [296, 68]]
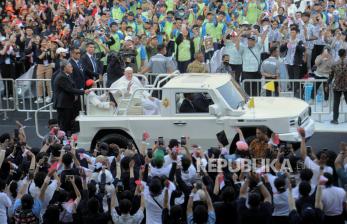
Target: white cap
[[128, 38], [61, 50], [128, 69]]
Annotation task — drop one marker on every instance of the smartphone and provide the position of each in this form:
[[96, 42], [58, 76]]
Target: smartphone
[[150, 153], [222, 138], [66, 142], [183, 141], [160, 140], [309, 149]]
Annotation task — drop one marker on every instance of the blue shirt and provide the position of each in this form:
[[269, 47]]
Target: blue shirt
[[250, 58], [36, 207]]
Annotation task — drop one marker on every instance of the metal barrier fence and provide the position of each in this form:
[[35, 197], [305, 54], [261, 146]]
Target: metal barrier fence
[[50, 105], [8, 95], [22, 94], [315, 92], [151, 77], [30, 98]]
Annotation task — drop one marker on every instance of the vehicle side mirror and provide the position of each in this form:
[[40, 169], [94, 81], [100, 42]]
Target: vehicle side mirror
[[214, 110]]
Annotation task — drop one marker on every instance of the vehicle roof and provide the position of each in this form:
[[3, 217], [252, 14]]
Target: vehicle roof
[[198, 81]]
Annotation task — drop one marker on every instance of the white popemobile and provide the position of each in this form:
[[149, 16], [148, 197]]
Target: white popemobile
[[226, 106]]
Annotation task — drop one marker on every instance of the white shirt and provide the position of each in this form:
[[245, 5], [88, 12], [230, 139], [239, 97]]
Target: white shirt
[[127, 219], [153, 210], [35, 192], [316, 169], [163, 171], [272, 179], [280, 203], [5, 202], [296, 193], [189, 177], [333, 199]]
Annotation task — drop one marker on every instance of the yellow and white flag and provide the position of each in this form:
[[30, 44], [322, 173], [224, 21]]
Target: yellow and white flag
[[270, 86], [251, 103]]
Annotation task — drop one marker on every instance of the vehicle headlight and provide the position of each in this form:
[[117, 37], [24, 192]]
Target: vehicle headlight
[[299, 121], [309, 111]]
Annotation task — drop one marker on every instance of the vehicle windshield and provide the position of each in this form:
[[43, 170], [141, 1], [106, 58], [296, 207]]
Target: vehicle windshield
[[233, 94]]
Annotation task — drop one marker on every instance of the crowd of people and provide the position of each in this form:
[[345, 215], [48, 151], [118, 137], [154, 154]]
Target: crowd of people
[[269, 39], [74, 43], [58, 182]]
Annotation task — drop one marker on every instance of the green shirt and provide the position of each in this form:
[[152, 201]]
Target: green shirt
[[170, 5], [218, 32], [117, 13], [184, 51], [252, 13], [116, 46], [140, 29], [168, 28], [210, 29]]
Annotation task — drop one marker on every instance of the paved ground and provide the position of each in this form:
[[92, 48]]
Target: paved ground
[[326, 136]]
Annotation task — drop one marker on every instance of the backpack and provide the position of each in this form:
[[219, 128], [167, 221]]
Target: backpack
[[24, 216]]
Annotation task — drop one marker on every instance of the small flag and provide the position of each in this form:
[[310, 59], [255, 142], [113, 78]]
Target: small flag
[[270, 86], [251, 103]]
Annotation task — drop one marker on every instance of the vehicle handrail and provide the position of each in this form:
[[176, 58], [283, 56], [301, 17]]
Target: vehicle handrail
[[36, 119], [111, 90], [134, 93], [157, 79], [168, 76], [142, 77]]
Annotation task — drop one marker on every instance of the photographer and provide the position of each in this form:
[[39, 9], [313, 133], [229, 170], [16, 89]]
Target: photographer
[[115, 68], [7, 66], [128, 53], [46, 56]]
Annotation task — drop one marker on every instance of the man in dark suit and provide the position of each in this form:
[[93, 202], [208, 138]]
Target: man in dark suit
[[79, 79], [77, 71], [200, 103], [89, 63], [65, 96], [187, 104]]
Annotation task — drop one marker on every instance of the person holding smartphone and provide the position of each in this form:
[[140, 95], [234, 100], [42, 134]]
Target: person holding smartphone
[[340, 163], [323, 63]]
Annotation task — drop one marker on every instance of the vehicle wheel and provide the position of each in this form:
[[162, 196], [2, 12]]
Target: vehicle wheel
[[117, 139]]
